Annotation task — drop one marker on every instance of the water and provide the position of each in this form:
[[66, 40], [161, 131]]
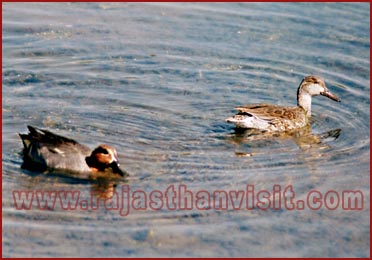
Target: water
[[156, 81]]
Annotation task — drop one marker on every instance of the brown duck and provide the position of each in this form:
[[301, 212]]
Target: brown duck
[[273, 118]]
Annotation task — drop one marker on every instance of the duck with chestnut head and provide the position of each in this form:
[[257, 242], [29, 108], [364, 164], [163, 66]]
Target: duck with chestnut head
[[44, 150]]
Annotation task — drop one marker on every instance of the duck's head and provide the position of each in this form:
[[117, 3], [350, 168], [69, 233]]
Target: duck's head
[[314, 86], [104, 157]]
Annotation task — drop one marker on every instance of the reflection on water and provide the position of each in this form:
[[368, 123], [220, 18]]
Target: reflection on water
[[156, 81], [303, 137], [104, 189], [101, 184]]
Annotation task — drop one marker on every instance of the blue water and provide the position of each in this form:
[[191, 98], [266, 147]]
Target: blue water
[[156, 81]]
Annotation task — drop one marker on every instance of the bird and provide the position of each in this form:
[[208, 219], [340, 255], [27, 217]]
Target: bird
[[44, 150], [274, 118]]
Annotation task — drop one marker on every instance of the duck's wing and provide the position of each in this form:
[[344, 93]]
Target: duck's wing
[[47, 148], [269, 112], [44, 136]]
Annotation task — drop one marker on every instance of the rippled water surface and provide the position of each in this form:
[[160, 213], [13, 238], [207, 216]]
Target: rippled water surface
[[156, 81]]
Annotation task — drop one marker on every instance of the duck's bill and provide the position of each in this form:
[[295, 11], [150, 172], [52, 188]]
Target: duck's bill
[[115, 169], [331, 96]]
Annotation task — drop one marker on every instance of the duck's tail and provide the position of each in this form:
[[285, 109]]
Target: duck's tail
[[237, 120], [34, 133]]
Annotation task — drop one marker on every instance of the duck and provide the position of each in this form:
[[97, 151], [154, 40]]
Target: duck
[[275, 118], [44, 150]]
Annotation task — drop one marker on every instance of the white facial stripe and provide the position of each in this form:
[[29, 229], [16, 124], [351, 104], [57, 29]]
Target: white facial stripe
[[315, 89], [113, 155]]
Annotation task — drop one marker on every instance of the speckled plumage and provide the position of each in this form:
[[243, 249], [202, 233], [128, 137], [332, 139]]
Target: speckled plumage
[[274, 118]]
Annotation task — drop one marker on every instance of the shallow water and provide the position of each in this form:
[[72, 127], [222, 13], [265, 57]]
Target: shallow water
[[156, 81]]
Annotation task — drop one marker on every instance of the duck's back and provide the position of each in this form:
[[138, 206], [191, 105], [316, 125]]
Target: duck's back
[[53, 151], [270, 117]]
